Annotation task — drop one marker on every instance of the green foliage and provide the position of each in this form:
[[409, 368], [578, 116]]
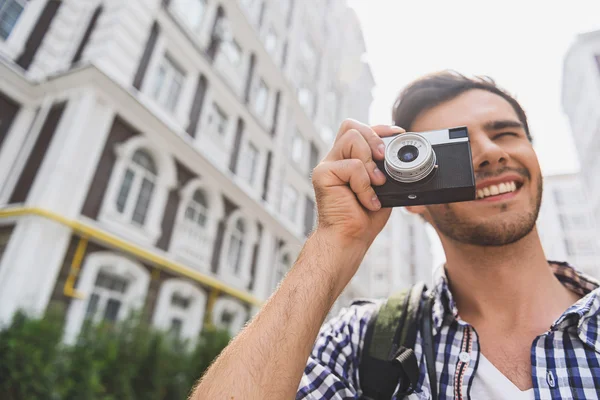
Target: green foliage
[[126, 361]]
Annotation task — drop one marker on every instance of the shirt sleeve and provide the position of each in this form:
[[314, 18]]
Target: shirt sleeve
[[332, 368]]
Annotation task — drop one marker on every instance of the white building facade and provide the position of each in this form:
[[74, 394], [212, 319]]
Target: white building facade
[[566, 224], [581, 103], [156, 154]]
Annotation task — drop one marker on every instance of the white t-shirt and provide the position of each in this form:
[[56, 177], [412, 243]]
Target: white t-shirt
[[491, 384]]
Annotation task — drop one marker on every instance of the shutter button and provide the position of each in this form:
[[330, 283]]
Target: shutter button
[[464, 357], [550, 379]]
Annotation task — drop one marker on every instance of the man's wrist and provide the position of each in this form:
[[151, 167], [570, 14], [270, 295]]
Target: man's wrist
[[337, 257]]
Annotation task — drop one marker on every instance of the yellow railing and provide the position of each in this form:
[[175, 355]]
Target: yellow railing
[[88, 232]]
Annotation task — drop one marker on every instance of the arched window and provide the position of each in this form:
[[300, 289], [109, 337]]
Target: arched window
[[180, 309], [138, 189], [197, 209], [197, 222], [107, 297], [236, 247], [113, 287], [229, 314], [137, 186], [235, 261]]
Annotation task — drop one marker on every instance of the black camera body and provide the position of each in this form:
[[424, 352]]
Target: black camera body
[[434, 167]]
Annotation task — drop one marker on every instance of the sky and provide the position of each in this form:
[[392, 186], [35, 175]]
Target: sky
[[521, 44]]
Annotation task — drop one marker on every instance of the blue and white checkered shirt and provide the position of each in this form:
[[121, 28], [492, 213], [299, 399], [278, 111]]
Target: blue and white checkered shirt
[[565, 360]]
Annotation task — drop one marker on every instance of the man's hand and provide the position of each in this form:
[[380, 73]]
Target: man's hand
[[266, 360], [348, 208]]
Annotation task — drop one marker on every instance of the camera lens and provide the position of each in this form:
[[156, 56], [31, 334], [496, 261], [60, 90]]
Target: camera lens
[[408, 153], [409, 158]]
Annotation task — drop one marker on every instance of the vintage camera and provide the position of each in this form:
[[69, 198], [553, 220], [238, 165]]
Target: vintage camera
[[427, 168]]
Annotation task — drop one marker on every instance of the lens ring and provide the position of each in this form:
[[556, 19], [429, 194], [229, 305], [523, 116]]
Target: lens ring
[[409, 169]]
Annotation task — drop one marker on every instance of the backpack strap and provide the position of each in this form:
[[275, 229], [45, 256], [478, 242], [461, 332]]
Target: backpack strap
[[388, 357], [427, 333]]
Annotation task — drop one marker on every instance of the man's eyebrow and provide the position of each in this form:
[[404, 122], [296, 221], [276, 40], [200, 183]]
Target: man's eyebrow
[[502, 124]]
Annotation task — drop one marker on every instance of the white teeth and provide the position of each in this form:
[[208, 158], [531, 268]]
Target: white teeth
[[493, 190]]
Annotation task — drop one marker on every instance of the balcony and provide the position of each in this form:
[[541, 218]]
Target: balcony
[[192, 245]]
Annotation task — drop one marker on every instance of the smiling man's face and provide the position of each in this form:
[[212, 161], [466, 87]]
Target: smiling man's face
[[507, 171]]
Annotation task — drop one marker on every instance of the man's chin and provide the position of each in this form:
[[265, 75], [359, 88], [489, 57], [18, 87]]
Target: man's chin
[[488, 230]]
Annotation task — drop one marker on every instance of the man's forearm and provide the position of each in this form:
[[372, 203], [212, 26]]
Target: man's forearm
[[266, 360]]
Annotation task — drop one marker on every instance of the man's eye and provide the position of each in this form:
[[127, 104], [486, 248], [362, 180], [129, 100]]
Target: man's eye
[[498, 136]]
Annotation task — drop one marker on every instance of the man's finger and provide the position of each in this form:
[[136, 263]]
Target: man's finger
[[352, 144], [387, 130], [350, 172], [372, 136]]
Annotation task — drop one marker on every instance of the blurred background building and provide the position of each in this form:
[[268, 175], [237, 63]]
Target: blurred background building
[[581, 104], [400, 256], [566, 223], [157, 154]]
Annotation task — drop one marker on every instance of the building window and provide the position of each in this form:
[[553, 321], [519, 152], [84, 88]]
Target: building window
[[138, 190], [168, 84], [297, 147], [137, 186], [249, 165], [227, 319], [107, 297], [236, 247], [175, 329], [197, 222], [271, 41], [114, 286], [289, 202], [191, 12], [197, 209], [309, 215], [229, 314], [217, 120], [233, 51], [180, 301], [331, 108], [597, 57], [179, 309], [309, 56], [283, 267], [10, 11], [261, 97], [306, 99]]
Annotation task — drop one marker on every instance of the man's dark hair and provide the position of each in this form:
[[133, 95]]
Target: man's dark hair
[[435, 89]]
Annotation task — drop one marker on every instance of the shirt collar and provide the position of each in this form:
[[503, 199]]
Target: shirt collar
[[587, 307]]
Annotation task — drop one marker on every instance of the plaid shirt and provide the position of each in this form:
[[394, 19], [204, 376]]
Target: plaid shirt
[[565, 360]]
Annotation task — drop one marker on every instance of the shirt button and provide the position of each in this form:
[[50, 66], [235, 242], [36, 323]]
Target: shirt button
[[464, 357], [550, 379]]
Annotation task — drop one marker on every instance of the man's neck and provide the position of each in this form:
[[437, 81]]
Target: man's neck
[[509, 285]]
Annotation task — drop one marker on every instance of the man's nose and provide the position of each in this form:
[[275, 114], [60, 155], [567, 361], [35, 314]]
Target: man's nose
[[487, 153]]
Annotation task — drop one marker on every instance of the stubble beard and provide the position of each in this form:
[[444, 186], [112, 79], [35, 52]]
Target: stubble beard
[[488, 233]]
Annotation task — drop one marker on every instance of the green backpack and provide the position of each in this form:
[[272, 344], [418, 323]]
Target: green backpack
[[388, 352]]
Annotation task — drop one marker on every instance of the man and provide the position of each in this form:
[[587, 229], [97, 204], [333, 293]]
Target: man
[[506, 322]]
